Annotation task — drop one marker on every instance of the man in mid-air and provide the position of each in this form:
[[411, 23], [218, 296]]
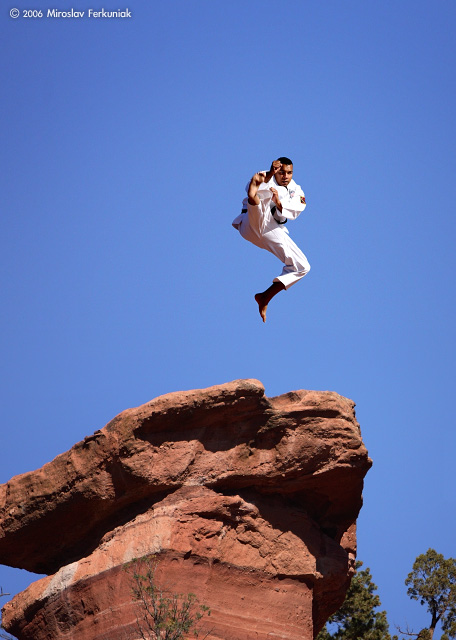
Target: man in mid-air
[[273, 199]]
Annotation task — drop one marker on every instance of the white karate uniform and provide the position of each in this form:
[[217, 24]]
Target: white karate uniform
[[260, 224]]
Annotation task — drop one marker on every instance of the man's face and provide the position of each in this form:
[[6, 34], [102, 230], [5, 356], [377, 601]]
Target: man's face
[[284, 175]]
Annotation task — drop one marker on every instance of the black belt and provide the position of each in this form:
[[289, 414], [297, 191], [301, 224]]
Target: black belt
[[273, 210]]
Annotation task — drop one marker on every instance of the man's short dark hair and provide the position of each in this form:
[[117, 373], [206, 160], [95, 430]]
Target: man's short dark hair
[[284, 160]]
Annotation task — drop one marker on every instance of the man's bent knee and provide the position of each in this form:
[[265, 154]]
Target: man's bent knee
[[303, 269]]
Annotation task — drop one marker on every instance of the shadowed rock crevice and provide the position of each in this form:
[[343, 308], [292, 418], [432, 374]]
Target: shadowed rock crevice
[[249, 502]]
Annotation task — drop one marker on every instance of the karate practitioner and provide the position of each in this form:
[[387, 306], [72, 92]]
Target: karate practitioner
[[273, 199]]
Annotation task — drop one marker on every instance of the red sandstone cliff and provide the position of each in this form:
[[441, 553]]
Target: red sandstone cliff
[[249, 502]]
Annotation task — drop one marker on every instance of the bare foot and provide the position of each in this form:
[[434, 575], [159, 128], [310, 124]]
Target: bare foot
[[262, 305], [255, 182], [264, 298]]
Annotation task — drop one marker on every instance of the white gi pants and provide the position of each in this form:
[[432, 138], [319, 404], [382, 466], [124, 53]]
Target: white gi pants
[[259, 227]]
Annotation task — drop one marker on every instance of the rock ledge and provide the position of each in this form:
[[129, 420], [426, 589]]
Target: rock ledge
[[250, 502]]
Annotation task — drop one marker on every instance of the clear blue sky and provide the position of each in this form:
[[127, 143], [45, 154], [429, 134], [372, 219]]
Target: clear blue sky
[[126, 146]]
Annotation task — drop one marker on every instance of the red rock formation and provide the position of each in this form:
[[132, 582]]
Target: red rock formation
[[249, 502]]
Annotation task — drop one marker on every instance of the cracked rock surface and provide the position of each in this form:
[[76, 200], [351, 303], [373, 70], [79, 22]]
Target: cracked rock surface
[[247, 501]]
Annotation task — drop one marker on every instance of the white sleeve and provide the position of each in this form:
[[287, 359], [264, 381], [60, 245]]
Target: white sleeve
[[292, 207]]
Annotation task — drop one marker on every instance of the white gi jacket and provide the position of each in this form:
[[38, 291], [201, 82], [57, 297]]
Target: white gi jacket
[[291, 197]]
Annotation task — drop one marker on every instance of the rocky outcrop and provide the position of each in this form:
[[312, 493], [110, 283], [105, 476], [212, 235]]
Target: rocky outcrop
[[247, 501]]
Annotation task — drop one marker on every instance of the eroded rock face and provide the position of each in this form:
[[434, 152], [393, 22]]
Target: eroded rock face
[[249, 502]]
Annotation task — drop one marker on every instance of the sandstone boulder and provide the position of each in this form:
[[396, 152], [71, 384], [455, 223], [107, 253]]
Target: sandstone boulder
[[250, 502]]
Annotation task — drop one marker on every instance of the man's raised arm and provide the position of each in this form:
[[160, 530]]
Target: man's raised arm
[[275, 167]]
